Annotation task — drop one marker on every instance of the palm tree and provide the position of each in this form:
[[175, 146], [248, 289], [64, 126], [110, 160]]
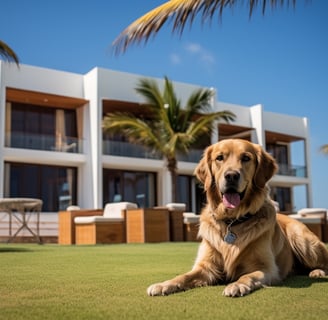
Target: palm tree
[[324, 149], [182, 12], [7, 53], [170, 128]]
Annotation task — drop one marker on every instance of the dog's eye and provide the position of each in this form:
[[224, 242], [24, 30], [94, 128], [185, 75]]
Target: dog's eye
[[245, 158], [220, 157]]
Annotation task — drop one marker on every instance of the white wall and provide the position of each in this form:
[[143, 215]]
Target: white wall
[[290, 125], [43, 80], [121, 86], [243, 116]]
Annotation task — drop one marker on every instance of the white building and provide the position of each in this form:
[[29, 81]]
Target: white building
[[52, 146]]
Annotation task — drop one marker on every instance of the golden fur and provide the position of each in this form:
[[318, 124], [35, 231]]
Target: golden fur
[[267, 246]]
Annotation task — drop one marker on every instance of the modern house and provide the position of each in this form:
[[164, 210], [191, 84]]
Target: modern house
[[52, 145]]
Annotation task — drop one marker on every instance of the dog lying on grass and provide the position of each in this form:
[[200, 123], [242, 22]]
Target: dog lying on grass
[[245, 244]]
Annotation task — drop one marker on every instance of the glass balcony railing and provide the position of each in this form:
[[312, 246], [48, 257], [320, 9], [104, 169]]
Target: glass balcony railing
[[44, 142], [126, 149], [194, 155], [292, 171]]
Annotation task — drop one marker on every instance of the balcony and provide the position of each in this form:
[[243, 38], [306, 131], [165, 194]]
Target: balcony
[[44, 142], [194, 155], [126, 149], [292, 171]]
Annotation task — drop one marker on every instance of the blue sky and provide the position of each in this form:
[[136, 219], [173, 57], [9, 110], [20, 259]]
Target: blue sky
[[278, 60]]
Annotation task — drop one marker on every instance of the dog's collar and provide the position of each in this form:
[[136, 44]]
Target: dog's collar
[[233, 222], [231, 237]]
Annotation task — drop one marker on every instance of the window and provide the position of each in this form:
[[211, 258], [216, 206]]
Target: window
[[190, 192], [183, 190], [32, 127], [280, 153], [283, 196], [132, 186], [56, 186], [41, 128]]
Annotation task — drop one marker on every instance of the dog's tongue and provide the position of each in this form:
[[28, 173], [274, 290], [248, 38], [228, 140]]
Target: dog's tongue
[[231, 200]]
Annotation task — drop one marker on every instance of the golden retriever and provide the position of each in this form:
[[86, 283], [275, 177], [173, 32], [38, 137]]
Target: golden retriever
[[245, 244]]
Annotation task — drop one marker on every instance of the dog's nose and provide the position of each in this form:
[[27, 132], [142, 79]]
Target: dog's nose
[[232, 176]]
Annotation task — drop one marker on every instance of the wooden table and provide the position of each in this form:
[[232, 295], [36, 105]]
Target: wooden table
[[21, 210]]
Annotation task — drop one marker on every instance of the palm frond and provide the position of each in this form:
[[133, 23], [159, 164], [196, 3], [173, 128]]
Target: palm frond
[[204, 124], [182, 141], [169, 95], [179, 141], [198, 103], [149, 90], [134, 129], [324, 149], [7, 53], [172, 107], [181, 12]]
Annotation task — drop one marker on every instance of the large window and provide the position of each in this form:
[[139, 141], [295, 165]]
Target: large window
[[183, 191], [283, 196], [280, 153], [32, 127], [132, 186], [54, 185], [41, 128], [186, 187]]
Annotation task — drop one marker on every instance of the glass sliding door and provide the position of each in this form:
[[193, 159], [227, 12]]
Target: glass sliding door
[[56, 186], [133, 186]]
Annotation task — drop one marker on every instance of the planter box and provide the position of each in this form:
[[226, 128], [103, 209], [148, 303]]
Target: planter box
[[147, 225]]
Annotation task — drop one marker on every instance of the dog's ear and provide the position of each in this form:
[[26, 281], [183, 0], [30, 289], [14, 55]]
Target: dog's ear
[[203, 169], [266, 167]]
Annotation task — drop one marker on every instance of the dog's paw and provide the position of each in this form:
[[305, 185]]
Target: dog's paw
[[317, 273], [163, 289], [236, 289]]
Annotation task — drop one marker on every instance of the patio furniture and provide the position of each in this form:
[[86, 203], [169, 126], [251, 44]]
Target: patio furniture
[[66, 232], [22, 209], [315, 219], [176, 220], [191, 226], [147, 225], [107, 228]]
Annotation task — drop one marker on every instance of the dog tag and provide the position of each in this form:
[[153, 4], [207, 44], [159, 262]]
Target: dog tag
[[230, 237]]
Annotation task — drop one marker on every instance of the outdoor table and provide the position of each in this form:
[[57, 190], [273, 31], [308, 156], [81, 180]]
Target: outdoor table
[[21, 210]]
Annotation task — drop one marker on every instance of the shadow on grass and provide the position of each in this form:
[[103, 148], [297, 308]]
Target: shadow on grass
[[11, 249], [302, 281]]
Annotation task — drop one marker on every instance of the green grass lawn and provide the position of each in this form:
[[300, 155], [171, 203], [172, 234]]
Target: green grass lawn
[[110, 281]]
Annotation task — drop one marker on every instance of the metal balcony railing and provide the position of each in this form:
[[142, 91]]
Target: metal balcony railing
[[43, 142]]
